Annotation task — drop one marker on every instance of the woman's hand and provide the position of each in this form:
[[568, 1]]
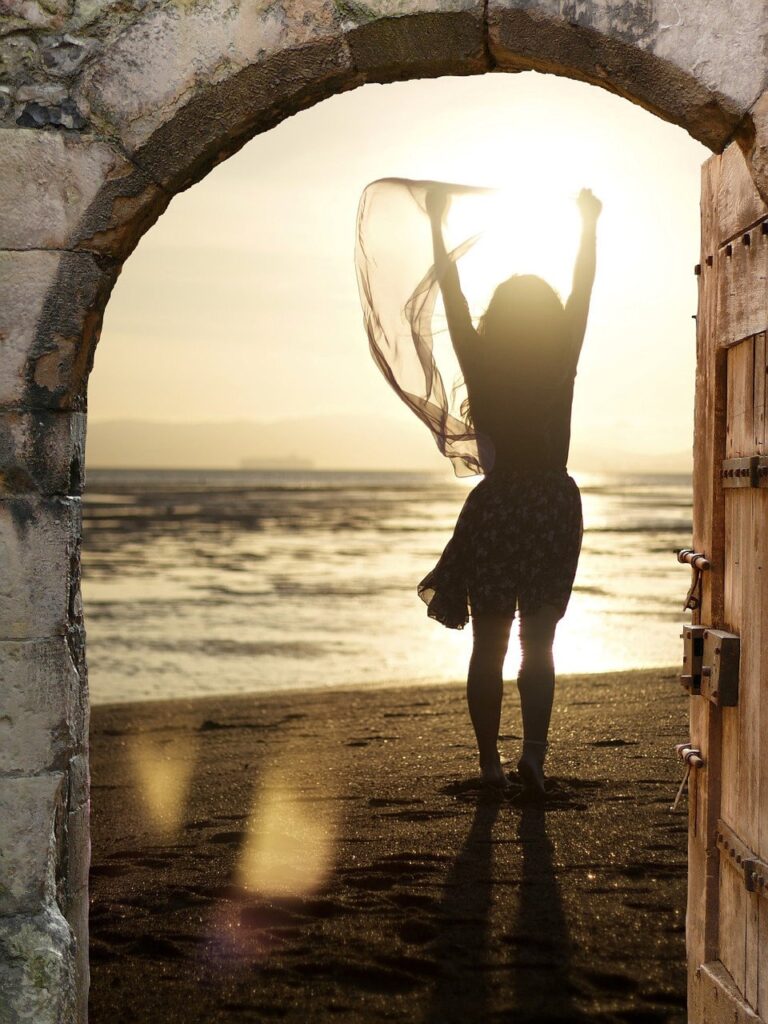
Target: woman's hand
[[589, 205], [436, 203]]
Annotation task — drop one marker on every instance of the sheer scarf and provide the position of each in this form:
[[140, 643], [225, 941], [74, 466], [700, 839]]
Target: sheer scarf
[[399, 286]]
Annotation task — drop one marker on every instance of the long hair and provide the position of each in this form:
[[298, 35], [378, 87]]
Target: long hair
[[522, 332]]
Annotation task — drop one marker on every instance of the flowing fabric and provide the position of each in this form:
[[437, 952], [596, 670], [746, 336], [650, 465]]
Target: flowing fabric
[[517, 539], [399, 287]]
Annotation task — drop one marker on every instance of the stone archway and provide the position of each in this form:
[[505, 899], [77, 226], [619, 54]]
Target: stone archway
[[106, 112]]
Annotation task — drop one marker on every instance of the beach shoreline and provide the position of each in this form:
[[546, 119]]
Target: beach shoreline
[[327, 854], [331, 688]]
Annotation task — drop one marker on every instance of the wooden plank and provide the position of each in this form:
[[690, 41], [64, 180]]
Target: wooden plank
[[732, 946], [716, 547], [711, 187], [762, 963], [743, 285], [709, 410], [738, 201], [759, 657], [760, 641], [750, 697], [752, 951], [748, 384], [732, 413], [731, 558], [733, 923], [752, 507], [703, 859], [729, 785], [740, 374], [709, 442], [716, 1000], [742, 270], [759, 393]]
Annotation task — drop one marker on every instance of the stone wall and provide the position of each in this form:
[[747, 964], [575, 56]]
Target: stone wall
[[108, 109]]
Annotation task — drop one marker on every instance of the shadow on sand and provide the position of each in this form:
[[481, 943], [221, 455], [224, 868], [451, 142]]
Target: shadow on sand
[[492, 969]]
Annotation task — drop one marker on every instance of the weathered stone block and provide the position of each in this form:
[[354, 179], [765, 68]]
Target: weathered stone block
[[36, 14], [40, 556], [19, 56], [76, 859], [37, 970], [42, 452], [221, 72], [644, 52], [77, 917], [64, 113], [43, 711], [51, 307], [65, 192], [722, 45], [79, 778], [755, 146], [29, 806], [395, 40], [25, 279], [39, 92], [62, 55]]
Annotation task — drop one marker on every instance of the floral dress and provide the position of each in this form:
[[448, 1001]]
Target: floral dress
[[516, 544]]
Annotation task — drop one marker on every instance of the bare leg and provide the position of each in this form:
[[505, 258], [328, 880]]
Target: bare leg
[[536, 685], [485, 688]]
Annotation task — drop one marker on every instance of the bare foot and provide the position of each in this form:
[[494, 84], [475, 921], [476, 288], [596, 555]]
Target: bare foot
[[530, 767], [493, 774]]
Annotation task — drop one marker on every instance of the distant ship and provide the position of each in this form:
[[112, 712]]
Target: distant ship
[[277, 462]]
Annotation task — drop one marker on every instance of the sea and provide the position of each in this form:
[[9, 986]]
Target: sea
[[204, 582]]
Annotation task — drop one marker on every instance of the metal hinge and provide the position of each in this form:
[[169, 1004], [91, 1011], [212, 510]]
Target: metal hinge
[[748, 471], [691, 758], [699, 563], [753, 871]]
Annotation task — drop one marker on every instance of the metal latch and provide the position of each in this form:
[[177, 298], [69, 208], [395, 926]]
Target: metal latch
[[693, 653], [699, 563], [720, 668], [711, 664], [691, 758], [754, 872], [747, 471]]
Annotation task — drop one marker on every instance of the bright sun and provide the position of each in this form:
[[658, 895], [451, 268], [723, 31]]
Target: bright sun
[[516, 238]]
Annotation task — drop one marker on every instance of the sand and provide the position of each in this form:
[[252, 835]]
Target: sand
[[328, 856]]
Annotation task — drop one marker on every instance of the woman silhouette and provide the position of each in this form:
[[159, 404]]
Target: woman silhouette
[[517, 540]]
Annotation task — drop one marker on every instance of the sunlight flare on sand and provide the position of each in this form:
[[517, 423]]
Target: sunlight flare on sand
[[289, 848], [164, 771]]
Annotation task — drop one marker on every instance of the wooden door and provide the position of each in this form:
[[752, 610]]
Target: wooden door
[[727, 919]]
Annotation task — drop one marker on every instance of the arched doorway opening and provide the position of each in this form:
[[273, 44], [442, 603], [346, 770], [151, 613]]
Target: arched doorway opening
[[122, 861]]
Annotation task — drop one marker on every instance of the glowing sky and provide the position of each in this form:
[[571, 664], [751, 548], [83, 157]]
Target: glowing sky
[[241, 302]]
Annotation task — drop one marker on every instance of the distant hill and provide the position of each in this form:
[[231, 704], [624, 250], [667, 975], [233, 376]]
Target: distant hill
[[321, 442], [591, 459]]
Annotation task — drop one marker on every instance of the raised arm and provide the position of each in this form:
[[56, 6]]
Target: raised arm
[[577, 307], [460, 326]]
